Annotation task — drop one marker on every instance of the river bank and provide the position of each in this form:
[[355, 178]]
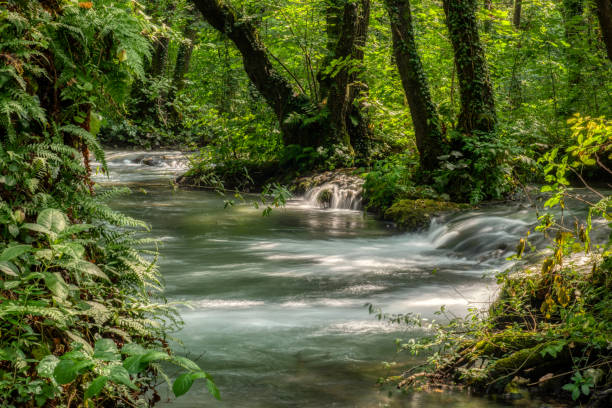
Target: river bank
[[277, 313], [484, 236]]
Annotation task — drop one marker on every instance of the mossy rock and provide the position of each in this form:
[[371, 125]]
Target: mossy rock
[[505, 342], [324, 198], [417, 214]]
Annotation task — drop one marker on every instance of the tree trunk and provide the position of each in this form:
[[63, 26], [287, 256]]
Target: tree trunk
[[340, 84], [358, 123], [291, 108], [477, 102], [338, 97], [425, 119], [488, 5], [516, 16], [183, 57], [159, 62], [604, 14], [347, 27], [181, 66], [574, 31]]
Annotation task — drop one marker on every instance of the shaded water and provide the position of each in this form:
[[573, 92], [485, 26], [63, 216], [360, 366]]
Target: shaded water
[[278, 311]]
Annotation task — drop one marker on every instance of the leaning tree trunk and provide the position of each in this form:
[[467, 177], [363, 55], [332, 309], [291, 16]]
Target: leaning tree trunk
[[477, 103], [427, 130], [290, 107], [604, 14]]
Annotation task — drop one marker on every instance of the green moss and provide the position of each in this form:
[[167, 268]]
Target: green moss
[[416, 214], [325, 198]]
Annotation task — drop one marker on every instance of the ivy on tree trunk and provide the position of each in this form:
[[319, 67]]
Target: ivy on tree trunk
[[604, 14], [347, 26], [426, 122], [477, 104]]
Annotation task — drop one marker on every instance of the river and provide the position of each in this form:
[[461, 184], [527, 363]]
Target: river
[[277, 303]]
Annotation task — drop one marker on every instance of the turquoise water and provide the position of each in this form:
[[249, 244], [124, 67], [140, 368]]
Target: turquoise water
[[277, 303]]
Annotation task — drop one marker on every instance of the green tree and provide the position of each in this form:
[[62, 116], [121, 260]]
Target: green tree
[[477, 102], [604, 14], [425, 120]]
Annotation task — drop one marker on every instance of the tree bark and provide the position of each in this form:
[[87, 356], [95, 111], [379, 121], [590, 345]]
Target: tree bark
[[477, 103], [347, 27], [183, 57], [604, 14], [425, 119], [516, 15], [488, 5], [337, 100], [288, 105], [181, 66], [574, 30], [159, 61], [340, 84], [357, 121]]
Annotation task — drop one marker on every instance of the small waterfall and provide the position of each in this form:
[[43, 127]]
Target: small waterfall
[[141, 166], [343, 192]]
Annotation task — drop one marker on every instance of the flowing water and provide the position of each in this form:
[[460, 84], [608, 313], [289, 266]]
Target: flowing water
[[278, 312]]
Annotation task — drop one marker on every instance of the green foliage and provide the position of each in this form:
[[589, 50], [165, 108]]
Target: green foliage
[[394, 179], [552, 318], [80, 302], [480, 170]]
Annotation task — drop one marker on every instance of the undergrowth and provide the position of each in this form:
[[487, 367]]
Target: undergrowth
[[83, 321]]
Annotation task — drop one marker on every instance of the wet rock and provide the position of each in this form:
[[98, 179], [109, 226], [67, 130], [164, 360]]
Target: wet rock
[[340, 188], [325, 198], [417, 214], [150, 161]]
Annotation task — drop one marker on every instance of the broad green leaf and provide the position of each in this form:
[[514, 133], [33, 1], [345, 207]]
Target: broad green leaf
[[87, 268], [96, 386], [106, 350], [154, 356], [13, 230], [132, 349], [9, 268], [119, 375], [47, 365], [55, 283], [65, 372], [13, 252], [37, 228], [212, 388], [81, 341], [186, 363], [210, 384], [72, 250], [44, 254], [76, 228], [52, 219], [182, 384], [133, 364]]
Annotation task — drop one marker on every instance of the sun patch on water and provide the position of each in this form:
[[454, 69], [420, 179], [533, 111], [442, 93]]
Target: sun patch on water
[[226, 304]]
